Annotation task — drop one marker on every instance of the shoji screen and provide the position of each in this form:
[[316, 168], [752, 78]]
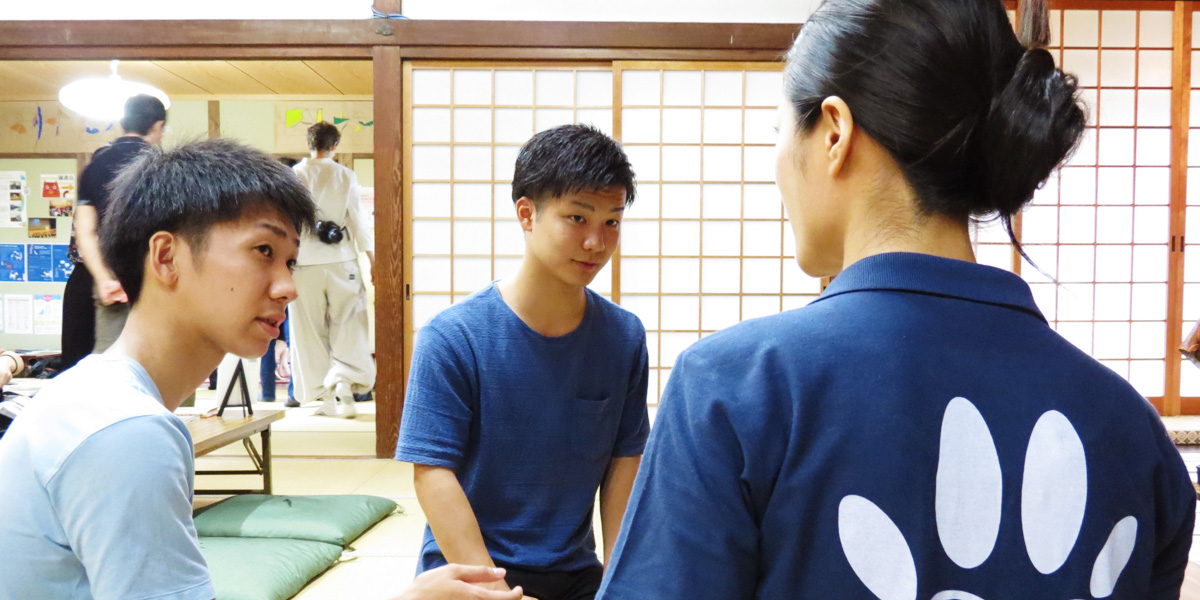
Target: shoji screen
[[1102, 226], [463, 127], [706, 244]]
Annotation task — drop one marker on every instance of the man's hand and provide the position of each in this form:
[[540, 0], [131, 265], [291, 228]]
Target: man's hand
[[111, 292], [1192, 342], [459, 582]]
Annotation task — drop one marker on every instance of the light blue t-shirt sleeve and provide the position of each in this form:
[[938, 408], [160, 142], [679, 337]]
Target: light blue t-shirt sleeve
[[436, 426], [635, 420], [693, 472], [124, 498]]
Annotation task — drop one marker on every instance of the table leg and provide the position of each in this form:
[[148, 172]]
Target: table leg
[[266, 460]]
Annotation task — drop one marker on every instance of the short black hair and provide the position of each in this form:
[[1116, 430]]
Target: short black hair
[[323, 136], [141, 113], [187, 191], [570, 158]]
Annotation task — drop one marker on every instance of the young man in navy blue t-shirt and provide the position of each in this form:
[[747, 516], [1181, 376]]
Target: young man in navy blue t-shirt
[[530, 395]]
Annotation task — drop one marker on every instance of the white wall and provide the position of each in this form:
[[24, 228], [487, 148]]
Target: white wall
[[708, 11]]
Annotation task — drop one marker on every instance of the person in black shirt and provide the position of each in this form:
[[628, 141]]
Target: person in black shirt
[[94, 305]]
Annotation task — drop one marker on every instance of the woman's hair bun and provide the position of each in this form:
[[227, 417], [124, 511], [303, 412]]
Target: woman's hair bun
[[1034, 123]]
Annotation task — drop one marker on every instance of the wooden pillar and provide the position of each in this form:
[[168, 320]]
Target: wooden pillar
[[389, 247], [214, 119], [1180, 104], [388, 7]]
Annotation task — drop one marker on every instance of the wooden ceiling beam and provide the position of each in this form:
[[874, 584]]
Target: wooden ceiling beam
[[66, 35]]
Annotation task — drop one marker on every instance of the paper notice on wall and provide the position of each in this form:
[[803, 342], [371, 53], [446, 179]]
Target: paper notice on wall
[[41, 262], [367, 195], [47, 315], [12, 262], [18, 313], [13, 193], [59, 193]]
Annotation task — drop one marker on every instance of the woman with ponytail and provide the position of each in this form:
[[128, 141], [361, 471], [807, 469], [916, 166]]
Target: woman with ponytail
[[919, 431]]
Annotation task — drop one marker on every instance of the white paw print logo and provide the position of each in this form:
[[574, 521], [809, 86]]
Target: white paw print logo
[[968, 504]]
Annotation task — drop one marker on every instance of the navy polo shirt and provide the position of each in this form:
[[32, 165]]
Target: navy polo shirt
[[528, 423], [919, 431], [104, 167]]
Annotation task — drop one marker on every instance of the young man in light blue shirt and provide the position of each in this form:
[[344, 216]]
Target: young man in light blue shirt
[[97, 473]]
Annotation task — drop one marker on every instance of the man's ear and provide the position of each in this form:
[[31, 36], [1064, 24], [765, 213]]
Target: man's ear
[[162, 261], [526, 213]]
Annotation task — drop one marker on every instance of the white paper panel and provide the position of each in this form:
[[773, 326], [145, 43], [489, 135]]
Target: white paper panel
[[431, 237], [722, 125], [426, 306], [431, 274], [1157, 27], [431, 124], [639, 238], [1154, 68], [761, 238], [473, 125], [1114, 225], [1075, 302], [680, 312], [641, 88], [722, 201], [754, 307], [760, 125], [472, 87], [471, 274], [1148, 376], [600, 118], [431, 199], [431, 87], [673, 344], [1116, 147], [1150, 263], [1114, 185], [1118, 68], [472, 162], [514, 125], [431, 162], [719, 312], [594, 88], [1085, 152], [1113, 301], [1151, 225], [1154, 108], [1081, 28], [723, 88], [504, 267], [645, 307], [1078, 185], [505, 158], [554, 88], [514, 88], [680, 201], [721, 238], [722, 163], [549, 118], [640, 126], [680, 275], [1083, 64], [681, 125], [1111, 340], [1150, 302], [473, 200], [721, 275], [1114, 263], [645, 161], [1117, 108], [1119, 29], [681, 88], [1077, 225], [761, 201], [602, 283], [681, 163], [764, 88], [681, 238], [472, 237], [762, 275], [639, 275], [1154, 147], [760, 163], [1076, 263]]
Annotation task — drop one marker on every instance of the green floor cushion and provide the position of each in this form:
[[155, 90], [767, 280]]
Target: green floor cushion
[[330, 519], [264, 569]]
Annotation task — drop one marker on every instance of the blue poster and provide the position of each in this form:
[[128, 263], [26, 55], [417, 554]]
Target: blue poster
[[62, 263], [41, 262], [12, 262]]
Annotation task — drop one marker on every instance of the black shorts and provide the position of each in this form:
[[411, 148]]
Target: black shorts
[[556, 585]]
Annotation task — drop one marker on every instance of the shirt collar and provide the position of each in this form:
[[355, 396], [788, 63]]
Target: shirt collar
[[936, 276], [130, 139]]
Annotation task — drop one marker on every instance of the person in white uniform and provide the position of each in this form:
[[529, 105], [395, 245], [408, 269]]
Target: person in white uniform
[[331, 355]]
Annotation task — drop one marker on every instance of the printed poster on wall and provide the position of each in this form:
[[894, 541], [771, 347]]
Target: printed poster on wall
[[63, 265], [12, 262], [47, 315], [43, 227], [59, 193], [13, 192], [18, 313], [41, 263]]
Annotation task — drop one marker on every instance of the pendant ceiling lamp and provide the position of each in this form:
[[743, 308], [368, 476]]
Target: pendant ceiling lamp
[[104, 98]]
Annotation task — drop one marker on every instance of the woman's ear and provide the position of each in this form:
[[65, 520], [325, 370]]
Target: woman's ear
[[837, 132]]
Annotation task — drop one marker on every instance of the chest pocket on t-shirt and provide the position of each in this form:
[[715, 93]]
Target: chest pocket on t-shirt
[[594, 427]]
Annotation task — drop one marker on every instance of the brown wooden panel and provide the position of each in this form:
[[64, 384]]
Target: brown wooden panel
[[215, 77], [285, 76], [550, 34], [389, 250], [182, 52], [214, 119], [352, 77], [1180, 105]]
